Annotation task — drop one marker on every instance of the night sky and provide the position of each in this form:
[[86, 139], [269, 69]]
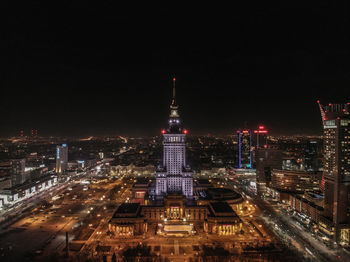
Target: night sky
[[101, 68]]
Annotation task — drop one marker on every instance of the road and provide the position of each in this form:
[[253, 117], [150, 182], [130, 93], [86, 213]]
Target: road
[[43, 229], [289, 232]]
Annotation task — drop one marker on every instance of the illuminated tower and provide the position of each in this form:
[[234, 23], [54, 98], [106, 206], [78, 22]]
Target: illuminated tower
[[61, 158], [174, 176], [336, 135], [244, 148]]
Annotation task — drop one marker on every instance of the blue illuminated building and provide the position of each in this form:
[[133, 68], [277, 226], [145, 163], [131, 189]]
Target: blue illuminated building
[[244, 148]]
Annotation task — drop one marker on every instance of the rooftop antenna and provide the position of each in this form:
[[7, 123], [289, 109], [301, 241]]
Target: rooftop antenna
[[174, 91]]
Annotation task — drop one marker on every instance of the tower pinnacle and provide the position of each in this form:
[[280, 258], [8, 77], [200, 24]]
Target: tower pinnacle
[[173, 106], [173, 103]]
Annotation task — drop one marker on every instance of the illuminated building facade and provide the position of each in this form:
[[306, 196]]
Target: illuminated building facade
[[172, 210], [336, 133], [61, 158], [176, 216], [174, 175], [244, 148], [295, 181]]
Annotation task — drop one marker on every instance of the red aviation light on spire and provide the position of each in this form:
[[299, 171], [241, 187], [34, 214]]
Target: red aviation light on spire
[[163, 131], [185, 131], [174, 79]]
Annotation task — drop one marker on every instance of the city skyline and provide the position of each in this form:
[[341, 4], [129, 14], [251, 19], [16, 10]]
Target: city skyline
[[182, 133], [104, 72]]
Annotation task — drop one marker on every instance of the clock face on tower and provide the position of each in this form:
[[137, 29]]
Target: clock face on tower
[[174, 113]]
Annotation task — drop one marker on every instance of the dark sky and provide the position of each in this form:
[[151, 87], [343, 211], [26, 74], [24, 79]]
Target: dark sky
[[102, 68]]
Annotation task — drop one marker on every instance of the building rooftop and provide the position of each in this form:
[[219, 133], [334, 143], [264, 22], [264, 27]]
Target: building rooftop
[[221, 207], [142, 181], [218, 193], [202, 181], [127, 209]]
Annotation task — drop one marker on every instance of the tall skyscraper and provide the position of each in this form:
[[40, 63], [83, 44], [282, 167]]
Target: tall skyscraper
[[174, 175], [61, 158], [312, 155], [260, 137], [336, 135], [266, 159], [244, 148]]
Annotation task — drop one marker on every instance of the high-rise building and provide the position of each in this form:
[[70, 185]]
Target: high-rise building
[[260, 137], [61, 158], [174, 175], [259, 140], [244, 148], [266, 159], [336, 135], [312, 154], [18, 165], [18, 175]]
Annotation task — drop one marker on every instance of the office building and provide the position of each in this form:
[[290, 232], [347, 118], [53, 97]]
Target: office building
[[260, 137], [312, 155], [18, 174], [295, 181], [266, 160], [244, 148], [61, 158]]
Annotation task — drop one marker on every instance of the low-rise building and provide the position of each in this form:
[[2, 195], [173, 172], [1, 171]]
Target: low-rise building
[[295, 181], [306, 207], [18, 193], [175, 215]]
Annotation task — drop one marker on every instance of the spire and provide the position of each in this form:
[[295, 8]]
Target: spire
[[173, 106], [173, 102]]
